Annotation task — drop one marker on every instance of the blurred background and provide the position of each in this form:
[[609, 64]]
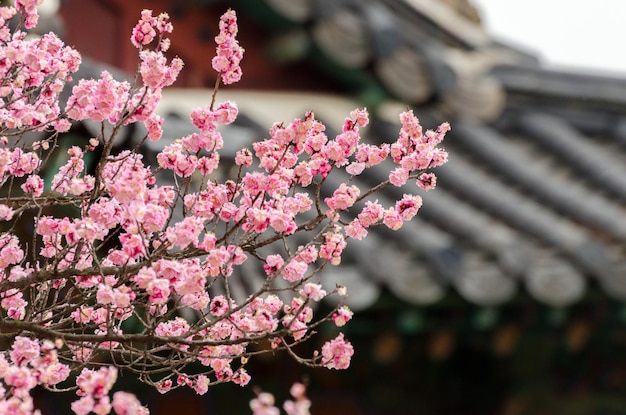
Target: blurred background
[[506, 295], [575, 34]]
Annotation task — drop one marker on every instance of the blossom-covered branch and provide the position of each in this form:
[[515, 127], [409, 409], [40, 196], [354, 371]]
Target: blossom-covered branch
[[128, 281]]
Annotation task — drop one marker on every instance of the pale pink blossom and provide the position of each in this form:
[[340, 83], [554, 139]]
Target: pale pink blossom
[[392, 219], [24, 350], [125, 403], [159, 291], [241, 377], [371, 214], [301, 405], [332, 248], [243, 158], [219, 305], [6, 213], [176, 327], [263, 404], [336, 353], [342, 316], [201, 385], [273, 263], [356, 230], [84, 405], [313, 291], [33, 185], [399, 176], [164, 386], [294, 270], [408, 206], [343, 198]]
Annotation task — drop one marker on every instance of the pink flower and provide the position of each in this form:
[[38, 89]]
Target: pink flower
[[392, 219], [306, 254], [263, 404], [371, 155], [294, 271], [154, 125], [343, 198], [201, 385], [83, 314], [313, 292], [174, 157], [102, 406], [164, 386], [185, 232], [332, 248], [10, 251], [356, 230], [132, 245], [410, 125], [355, 168], [439, 157], [159, 291], [333, 151], [241, 377], [23, 163], [360, 117], [6, 213], [399, 176], [371, 213], [342, 316], [243, 158], [54, 373], [33, 185], [125, 403], [96, 383], [273, 263], [408, 206], [336, 353], [24, 350], [83, 406], [14, 304]]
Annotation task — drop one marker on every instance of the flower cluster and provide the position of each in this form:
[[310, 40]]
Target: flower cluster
[[28, 364], [118, 102], [229, 53], [38, 69], [28, 8], [146, 274], [151, 28], [417, 151], [263, 404]]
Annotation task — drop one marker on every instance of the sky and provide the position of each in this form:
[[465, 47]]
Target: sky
[[588, 35]]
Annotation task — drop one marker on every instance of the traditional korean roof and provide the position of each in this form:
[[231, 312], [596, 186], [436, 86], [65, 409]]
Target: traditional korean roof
[[532, 199]]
